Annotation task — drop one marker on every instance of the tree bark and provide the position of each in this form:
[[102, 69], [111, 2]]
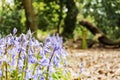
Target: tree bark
[[30, 15], [60, 16], [70, 20], [102, 38]]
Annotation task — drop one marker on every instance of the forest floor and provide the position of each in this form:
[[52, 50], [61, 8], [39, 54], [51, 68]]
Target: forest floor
[[94, 64]]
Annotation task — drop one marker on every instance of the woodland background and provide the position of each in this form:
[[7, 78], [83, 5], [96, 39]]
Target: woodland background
[[60, 16], [46, 17]]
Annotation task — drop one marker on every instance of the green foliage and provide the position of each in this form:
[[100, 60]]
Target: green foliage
[[106, 14], [47, 14], [10, 17], [59, 75]]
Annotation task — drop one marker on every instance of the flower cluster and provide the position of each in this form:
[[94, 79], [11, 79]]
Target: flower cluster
[[24, 58]]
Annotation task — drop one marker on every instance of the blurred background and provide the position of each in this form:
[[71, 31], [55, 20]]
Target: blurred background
[[60, 16]]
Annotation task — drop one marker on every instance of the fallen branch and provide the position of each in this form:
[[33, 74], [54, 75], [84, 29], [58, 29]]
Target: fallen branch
[[102, 38]]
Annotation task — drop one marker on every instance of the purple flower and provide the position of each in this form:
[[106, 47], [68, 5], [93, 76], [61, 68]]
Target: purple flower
[[13, 61], [35, 77], [29, 34], [42, 78], [14, 50], [44, 62], [20, 64], [51, 69], [0, 73], [32, 59], [56, 61], [81, 66], [14, 31], [28, 74]]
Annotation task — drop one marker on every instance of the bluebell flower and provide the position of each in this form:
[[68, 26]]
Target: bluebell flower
[[81, 67], [0, 73], [12, 57], [15, 50], [0, 62], [56, 61], [44, 62], [14, 31], [32, 59], [35, 78], [20, 65], [28, 74], [38, 73], [29, 34], [51, 69], [1, 52], [42, 78]]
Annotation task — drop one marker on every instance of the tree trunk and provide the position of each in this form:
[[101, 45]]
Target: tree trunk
[[100, 35], [30, 15], [60, 16], [70, 20]]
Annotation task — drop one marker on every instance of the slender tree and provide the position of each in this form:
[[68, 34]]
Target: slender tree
[[30, 15], [60, 15], [70, 20]]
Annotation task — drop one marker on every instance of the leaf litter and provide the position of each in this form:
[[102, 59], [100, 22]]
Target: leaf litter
[[94, 64]]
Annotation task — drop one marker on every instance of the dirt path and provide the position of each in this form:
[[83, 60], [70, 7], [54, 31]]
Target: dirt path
[[95, 64]]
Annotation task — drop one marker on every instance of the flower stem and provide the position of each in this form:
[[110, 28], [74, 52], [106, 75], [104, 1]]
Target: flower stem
[[2, 71], [48, 67], [6, 71], [35, 65], [25, 63], [17, 65]]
